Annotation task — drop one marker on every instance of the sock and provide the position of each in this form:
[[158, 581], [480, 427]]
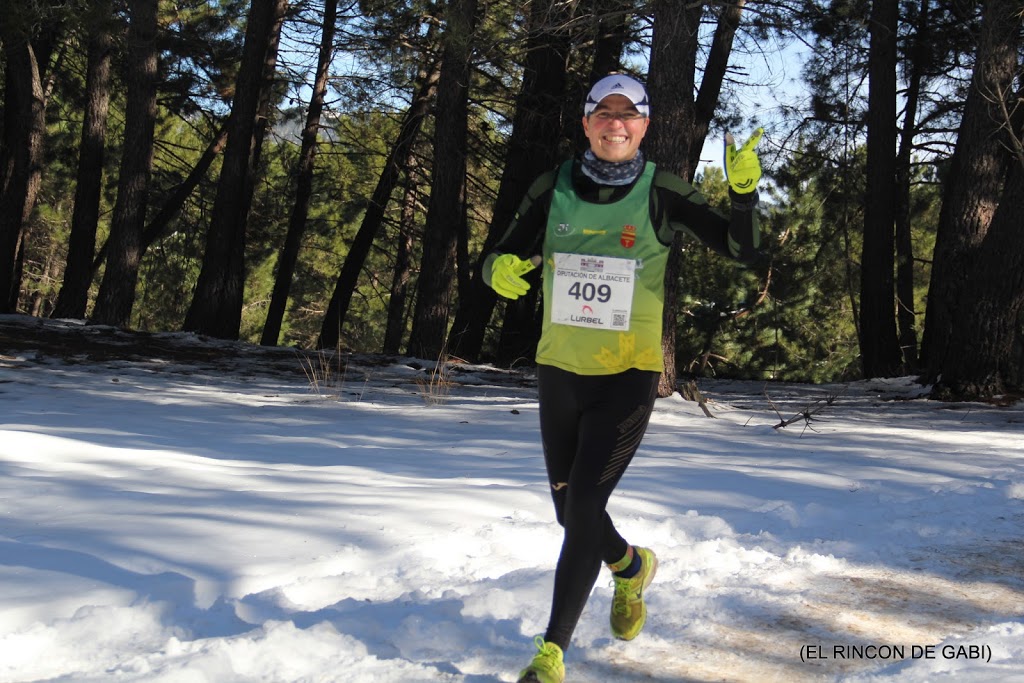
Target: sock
[[628, 566]]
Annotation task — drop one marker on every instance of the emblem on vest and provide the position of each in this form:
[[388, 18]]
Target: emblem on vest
[[563, 230], [628, 237]]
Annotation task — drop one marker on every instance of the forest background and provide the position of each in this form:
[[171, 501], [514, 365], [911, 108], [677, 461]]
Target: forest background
[[328, 174]]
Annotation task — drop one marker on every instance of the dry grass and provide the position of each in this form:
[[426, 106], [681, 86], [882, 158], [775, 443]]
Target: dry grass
[[436, 388], [325, 372]]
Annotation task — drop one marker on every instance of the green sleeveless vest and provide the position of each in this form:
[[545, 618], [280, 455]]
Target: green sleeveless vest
[[604, 282]]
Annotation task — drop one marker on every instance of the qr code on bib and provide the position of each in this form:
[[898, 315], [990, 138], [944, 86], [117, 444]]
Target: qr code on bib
[[619, 319]]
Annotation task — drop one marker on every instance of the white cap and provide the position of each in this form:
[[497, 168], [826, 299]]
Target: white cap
[[618, 84]]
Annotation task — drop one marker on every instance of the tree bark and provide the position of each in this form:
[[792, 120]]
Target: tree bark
[[304, 182], [977, 170], [21, 155], [117, 290], [879, 345], [73, 298], [216, 307], [983, 352], [445, 210], [983, 358]]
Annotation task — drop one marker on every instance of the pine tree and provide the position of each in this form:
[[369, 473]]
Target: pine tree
[[28, 32], [117, 290], [304, 180], [880, 353], [977, 299], [446, 215], [217, 304], [74, 294]]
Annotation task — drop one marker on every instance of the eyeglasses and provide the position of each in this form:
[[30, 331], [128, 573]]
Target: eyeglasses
[[624, 116]]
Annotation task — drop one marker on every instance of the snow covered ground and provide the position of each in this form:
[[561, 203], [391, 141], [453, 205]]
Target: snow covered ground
[[257, 516]]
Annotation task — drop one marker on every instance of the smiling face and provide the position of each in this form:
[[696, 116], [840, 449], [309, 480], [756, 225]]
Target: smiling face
[[615, 129]]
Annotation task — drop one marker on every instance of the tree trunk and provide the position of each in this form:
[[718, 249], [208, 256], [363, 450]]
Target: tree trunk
[[217, 303], [74, 293], [906, 315], [21, 156], [304, 182], [983, 354], [399, 156], [532, 149], [879, 345], [679, 123], [977, 171], [447, 191], [117, 290], [1015, 368], [395, 330], [610, 17], [983, 351]]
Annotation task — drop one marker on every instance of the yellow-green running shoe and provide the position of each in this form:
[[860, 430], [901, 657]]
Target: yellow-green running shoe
[[629, 613], [546, 667]]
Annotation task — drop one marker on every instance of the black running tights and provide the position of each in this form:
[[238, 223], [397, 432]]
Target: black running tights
[[591, 427]]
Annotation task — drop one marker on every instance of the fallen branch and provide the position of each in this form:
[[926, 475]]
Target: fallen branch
[[690, 392], [807, 415]]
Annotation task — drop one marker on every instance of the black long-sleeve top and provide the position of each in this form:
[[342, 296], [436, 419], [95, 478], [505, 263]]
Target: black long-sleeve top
[[675, 205]]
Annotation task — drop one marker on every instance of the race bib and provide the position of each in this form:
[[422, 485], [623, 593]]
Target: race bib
[[592, 291]]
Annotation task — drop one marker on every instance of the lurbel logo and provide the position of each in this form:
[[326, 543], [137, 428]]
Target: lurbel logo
[[628, 237], [586, 319]]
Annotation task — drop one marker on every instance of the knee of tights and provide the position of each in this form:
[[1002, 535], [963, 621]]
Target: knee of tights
[[583, 517]]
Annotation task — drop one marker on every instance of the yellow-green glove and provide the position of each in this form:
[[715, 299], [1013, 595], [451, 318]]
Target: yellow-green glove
[[506, 275], [742, 167]]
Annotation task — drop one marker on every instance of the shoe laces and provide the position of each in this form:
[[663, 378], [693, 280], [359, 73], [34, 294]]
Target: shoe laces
[[627, 591], [548, 656]]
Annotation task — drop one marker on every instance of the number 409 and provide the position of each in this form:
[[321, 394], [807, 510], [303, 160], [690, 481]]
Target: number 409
[[588, 291]]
